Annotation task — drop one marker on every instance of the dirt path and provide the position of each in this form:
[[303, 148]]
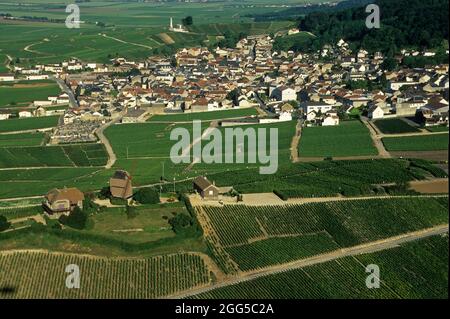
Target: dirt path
[[270, 199], [382, 152], [126, 42], [367, 248], [295, 142], [38, 218], [112, 158]]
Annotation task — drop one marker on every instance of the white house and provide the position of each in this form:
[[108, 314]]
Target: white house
[[312, 109], [4, 115], [25, 113], [330, 120], [376, 112], [6, 77]]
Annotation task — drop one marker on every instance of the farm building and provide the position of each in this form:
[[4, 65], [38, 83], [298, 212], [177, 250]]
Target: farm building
[[63, 200], [205, 188], [120, 185]]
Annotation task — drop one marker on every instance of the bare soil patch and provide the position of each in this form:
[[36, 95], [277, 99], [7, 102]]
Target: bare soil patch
[[437, 186]]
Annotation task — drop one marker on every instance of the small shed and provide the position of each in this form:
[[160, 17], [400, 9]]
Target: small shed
[[205, 188]]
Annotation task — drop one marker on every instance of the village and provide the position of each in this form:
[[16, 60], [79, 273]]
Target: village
[[285, 85]]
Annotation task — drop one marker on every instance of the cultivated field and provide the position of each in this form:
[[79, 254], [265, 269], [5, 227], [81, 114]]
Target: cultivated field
[[348, 139], [328, 178], [21, 139], [24, 94], [255, 237], [34, 123], [42, 275], [413, 271], [395, 126], [434, 142], [53, 156], [204, 116]]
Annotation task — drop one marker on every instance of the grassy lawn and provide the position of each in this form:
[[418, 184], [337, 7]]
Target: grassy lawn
[[11, 96], [33, 123], [205, 116], [350, 138], [21, 139], [435, 142], [395, 126], [150, 224]]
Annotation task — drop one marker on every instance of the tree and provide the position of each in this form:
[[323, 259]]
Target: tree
[[187, 21], [77, 219], [181, 223], [147, 195], [389, 64], [4, 224]]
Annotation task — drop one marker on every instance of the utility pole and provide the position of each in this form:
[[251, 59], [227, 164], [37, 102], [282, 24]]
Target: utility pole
[[174, 185]]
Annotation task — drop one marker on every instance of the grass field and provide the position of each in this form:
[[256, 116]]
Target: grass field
[[54, 156], [150, 224], [204, 116], [33, 123], [21, 139], [434, 142], [255, 237], [395, 126], [412, 271], [348, 139], [11, 96], [100, 277], [31, 182]]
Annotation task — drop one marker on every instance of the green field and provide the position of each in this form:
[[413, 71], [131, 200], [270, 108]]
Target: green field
[[350, 138], [204, 116], [23, 96], [33, 123], [54, 156], [101, 277], [255, 237], [21, 139], [395, 126], [143, 148], [437, 128], [150, 224], [436, 142], [417, 270], [327, 178]]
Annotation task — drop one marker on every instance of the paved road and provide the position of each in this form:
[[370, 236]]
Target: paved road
[[72, 101], [367, 248]]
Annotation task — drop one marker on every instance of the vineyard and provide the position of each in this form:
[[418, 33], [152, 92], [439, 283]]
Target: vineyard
[[327, 178], [42, 275], [255, 237], [56, 156], [413, 271]]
